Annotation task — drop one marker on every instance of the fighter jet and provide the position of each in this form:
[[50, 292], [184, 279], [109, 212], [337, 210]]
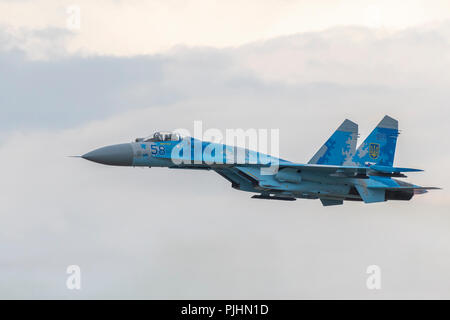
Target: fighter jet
[[338, 171]]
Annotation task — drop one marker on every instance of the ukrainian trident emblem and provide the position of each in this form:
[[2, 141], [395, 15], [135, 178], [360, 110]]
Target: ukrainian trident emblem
[[374, 150]]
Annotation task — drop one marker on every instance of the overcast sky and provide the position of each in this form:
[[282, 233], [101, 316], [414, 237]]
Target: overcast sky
[[134, 67]]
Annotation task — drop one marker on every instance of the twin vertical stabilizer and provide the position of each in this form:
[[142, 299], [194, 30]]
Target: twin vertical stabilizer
[[340, 147], [378, 148]]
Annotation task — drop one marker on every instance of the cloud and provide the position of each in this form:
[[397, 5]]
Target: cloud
[[355, 55], [143, 27], [160, 233], [35, 44]]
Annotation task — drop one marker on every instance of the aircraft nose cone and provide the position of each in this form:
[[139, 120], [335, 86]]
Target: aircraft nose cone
[[115, 155]]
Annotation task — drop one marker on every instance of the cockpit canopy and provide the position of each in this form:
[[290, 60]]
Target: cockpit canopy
[[161, 136]]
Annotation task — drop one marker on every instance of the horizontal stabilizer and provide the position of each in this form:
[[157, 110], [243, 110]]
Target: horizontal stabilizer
[[403, 188]]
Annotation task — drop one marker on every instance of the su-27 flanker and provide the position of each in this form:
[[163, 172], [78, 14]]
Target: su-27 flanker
[[338, 172]]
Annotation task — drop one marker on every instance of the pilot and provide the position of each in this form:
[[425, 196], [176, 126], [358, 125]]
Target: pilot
[[157, 136]]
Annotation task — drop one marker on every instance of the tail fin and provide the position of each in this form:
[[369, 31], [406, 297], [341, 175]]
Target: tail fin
[[340, 147], [379, 147]]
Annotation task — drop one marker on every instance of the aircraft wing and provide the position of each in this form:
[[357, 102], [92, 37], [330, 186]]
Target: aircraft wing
[[332, 169]]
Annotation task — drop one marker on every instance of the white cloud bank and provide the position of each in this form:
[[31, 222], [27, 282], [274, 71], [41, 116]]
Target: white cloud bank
[[142, 27]]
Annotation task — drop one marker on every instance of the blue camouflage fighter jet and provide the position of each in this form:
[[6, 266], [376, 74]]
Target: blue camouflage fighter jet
[[338, 172]]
